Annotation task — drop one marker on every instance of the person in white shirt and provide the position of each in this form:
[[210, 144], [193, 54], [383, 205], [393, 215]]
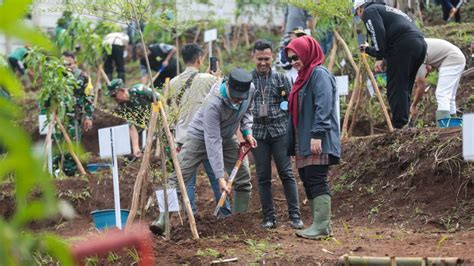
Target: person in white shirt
[[116, 43], [450, 62]]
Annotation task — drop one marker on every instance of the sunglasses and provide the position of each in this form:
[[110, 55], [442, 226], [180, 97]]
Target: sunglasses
[[293, 58]]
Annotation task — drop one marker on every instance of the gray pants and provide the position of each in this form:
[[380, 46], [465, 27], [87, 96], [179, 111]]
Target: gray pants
[[194, 152]]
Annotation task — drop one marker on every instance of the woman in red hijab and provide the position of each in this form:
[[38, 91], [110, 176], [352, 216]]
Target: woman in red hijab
[[313, 130]]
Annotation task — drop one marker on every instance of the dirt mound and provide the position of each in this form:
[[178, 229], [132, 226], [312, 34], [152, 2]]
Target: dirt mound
[[409, 176]]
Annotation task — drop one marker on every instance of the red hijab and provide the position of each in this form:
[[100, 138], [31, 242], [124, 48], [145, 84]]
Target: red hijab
[[311, 55]]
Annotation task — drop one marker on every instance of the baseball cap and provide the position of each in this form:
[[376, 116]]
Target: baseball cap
[[239, 83], [359, 3]]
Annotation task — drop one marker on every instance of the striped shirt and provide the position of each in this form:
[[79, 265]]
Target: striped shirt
[[269, 91]]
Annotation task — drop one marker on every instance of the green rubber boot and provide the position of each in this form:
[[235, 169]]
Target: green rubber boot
[[241, 201], [158, 226], [441, 115], [321, 227]]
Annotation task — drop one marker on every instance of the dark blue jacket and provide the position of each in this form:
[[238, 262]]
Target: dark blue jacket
[[317, 115]]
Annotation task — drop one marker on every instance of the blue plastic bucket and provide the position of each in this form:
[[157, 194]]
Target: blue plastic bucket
[[94, 167], [106, 218], [450, 122]]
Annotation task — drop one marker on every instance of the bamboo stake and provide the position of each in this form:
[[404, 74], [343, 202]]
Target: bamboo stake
[[345, 123], [144, 167], [219, 54], [71, 148], [346, 49], [377, 91], [359, 98], [101, 70], [226, 42], [206, 51], [198, 32], [246, 34], [356, 260], [97, 87], [236, 38], [165, 195], [332, 57], [179, 175]]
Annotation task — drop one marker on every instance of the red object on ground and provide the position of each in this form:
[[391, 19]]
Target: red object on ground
[[115, 240]]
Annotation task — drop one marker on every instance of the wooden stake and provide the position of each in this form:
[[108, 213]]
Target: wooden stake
[[179, 175], [345, 123], [236, 38], [164, 171], [71, 148], [142, 175], [246, 35], [356, 108], [101, 70], [97, 86], [346, 49], [219, 54], [332, 56], [198, 32], [377, 91]]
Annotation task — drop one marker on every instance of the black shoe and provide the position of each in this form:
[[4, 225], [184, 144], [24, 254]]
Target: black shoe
[[269, 224], [296, 223]]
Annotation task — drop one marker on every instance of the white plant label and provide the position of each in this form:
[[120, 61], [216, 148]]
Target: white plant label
[[342, 84], [467, 139], [121, 141], [342, 63], [370, 88], [173, 203], [210, 35], [43, 125]]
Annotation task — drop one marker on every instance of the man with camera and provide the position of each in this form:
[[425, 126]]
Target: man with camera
[[187, 93]]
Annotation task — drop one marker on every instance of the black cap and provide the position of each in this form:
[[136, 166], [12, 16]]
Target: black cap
[[239, 83]]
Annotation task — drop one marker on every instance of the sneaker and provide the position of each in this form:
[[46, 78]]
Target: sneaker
[[269, 224], [296, 223]]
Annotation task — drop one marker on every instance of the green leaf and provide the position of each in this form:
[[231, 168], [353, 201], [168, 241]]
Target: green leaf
[[9, 81], [58, 249]]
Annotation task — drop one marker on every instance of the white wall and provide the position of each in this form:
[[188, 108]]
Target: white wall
[[187, 10]]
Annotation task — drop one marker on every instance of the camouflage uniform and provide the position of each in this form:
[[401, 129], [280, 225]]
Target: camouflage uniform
[[137, 109], [82, 109]]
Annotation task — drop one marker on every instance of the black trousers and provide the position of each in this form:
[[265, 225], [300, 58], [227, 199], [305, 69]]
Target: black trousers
[[16, 66], [169, 72], [267, 148], [115, 58], [314, 179], [402, 66], [446, 10]]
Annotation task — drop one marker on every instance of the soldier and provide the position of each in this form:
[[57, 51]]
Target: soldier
[[114, 57], [15, 59], [134, 106], [80, 116]]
